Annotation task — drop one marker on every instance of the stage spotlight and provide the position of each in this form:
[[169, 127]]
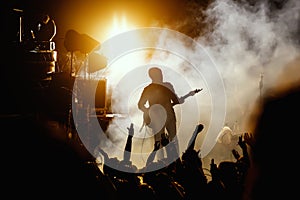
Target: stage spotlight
[[75, 41]]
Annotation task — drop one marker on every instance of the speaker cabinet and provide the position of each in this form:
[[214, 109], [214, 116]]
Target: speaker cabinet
[[100, 96]]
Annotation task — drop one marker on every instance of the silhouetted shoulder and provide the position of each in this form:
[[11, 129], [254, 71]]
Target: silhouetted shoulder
[[276, 146]]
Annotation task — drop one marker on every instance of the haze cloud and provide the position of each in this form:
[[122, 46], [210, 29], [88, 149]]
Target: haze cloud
[[251, 45]]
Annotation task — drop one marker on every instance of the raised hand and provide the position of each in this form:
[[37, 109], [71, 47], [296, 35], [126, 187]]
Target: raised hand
[[130, 130], [248, 138]]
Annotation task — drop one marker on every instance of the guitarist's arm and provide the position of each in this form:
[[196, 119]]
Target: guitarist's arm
[[174, 97], [177, 100], [142, 102]]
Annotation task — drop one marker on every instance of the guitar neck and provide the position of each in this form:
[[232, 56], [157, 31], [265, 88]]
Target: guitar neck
[[186, 96], [191, 93]]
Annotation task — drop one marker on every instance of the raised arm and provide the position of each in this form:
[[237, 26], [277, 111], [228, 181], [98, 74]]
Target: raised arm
[[128, 146]]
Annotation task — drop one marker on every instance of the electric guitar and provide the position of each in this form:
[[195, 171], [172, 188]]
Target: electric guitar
[[146, 116]]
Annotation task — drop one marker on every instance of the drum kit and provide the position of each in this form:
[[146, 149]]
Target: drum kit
[[36, 63]]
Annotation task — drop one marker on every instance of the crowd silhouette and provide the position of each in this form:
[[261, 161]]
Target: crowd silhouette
[[182, 179]]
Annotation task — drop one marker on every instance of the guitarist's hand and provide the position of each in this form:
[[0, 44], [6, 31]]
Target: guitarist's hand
[[181, 100]]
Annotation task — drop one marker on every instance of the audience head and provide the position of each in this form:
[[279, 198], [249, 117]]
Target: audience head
[[273, 170]]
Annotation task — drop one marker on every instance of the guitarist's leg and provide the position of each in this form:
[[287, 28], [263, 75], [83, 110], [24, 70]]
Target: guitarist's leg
[[173, 146], [153, 153], [157, 145], [164, 139], [157, 131]]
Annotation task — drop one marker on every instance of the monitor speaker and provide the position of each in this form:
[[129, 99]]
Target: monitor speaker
[[100, 96]]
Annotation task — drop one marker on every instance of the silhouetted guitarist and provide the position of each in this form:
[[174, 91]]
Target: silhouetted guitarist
[[159, 115]]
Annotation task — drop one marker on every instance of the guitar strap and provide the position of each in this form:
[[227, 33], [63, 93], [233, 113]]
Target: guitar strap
[[143, 125]]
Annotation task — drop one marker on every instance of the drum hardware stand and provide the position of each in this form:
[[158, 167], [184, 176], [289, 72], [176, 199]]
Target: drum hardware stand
[[261, 87], [82, 107]]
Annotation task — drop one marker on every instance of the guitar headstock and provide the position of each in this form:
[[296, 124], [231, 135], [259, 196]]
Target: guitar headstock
[[191, 93], [197, 90]]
